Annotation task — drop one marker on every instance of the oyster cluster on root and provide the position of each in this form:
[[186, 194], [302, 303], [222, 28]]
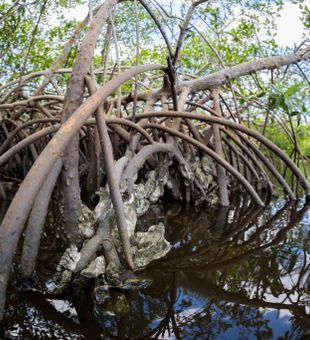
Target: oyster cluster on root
[[101, 251], [99, 231]]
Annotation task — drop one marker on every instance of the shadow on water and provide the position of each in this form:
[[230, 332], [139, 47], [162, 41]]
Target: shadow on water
[[235, 273]]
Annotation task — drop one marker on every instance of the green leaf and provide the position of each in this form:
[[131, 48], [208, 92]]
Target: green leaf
[[292, 90], [294, 113]]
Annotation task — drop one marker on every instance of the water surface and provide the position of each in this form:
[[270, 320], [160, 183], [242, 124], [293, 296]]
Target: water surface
[[235, 273]]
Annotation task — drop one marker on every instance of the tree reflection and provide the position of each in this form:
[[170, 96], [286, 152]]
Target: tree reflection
[[233, 273]]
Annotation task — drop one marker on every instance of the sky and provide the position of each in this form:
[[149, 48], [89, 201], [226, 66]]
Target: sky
[[290, 28]]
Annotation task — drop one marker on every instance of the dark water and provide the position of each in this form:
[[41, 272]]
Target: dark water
[[237, 273]]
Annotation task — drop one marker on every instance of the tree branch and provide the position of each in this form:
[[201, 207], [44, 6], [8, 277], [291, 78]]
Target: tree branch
[[224, 76]]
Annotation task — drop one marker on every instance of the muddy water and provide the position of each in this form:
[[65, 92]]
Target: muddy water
[[237, 273]]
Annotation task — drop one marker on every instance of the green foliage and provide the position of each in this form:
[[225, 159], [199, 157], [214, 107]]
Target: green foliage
[[290, 100], [305, 10], [303, 138], [278, 136], [222, 34], [17, 26], [227, 25]]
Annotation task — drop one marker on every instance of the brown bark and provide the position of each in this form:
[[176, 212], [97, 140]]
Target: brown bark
[[101, 238], [251, 156], [64, 54], [26, 142], [244, 159], [36, 222], [215, 156], [138, 160], [217, 120], [216, 79], [221, 173], [16, 215], [270, 166], [116, 197], [74, 98]]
